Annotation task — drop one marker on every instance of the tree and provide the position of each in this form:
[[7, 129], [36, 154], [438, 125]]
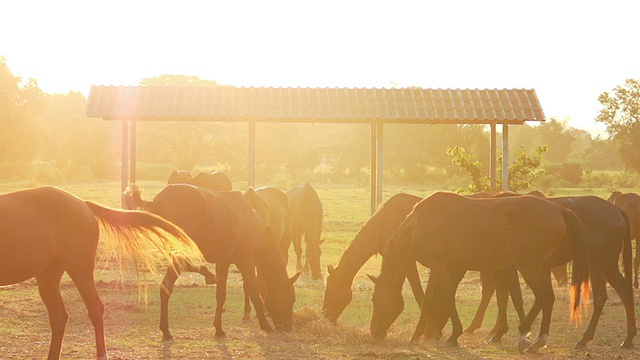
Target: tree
[[20, 106], [523, 171], [621, 114]]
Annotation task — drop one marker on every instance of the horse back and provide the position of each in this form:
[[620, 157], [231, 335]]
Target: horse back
[[217, 181], [305, 209], [484, 234]]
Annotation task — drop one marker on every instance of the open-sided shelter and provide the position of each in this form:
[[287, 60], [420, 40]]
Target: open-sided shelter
[[376, 107]]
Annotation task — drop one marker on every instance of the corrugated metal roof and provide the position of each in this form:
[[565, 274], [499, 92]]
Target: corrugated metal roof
[[268, 104]]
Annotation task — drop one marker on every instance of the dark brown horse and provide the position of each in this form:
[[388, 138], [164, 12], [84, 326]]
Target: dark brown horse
[[607, 234], [272, 206], [47, 231], [630, 204], [305, 218], [217, 180], [370, 240], [179, 177], [227, 231], [451, 234]]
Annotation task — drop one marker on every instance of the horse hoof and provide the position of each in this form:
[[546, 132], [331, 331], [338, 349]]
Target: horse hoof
[[580, 345], [627, 345], [210, 280], [246, 317], [524, 344], [495, 339], [168, 338], [453, 343], [220, 334]]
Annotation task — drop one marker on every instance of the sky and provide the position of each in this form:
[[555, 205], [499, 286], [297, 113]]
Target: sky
[[570, 52]]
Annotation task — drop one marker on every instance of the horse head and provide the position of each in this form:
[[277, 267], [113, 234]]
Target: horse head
[[387, 306], [337, 294], [279, 304]]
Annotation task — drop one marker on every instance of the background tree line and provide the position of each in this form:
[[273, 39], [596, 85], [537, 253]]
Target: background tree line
[[48, 138]]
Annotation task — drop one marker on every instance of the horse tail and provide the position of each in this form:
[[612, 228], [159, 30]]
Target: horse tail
[[627, 251], [580, 269], [144, 237]]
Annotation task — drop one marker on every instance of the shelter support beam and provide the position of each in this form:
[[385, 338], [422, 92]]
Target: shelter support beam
[[493, 157], [374, 165], [251, 166], [505, 156], [132, 152]]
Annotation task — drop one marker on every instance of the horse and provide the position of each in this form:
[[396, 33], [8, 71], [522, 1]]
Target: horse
[[47, 231], [217, 180], [179, 177], [630, 204], [613, 196], [271, 205], [305, 218], [227, 231], [607, 235], [528, 232], [370, 240]]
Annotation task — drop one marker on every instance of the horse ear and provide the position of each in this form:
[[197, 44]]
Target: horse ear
[[330, 269], [373, 278], [295, 277]]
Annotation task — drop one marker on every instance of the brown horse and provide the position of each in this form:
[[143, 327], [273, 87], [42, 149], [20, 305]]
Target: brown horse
[[271, 205], [630, 204], [217, 180], [606, 234], [305, 218], [451, 234], [47, 231], [179, 177], [370, 240], [227, 231]]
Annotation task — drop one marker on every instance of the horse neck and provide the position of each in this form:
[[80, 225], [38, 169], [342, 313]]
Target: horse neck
[[269, 261], [398, 255], [359, 252]]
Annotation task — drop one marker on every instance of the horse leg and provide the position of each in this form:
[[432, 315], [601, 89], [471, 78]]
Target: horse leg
[[84, 281], [625, 292], [49, 287], [599, 287], [488, 288], [166, 289], [533, 282], [507, 281], [560, 274], [247, 302], [297, 248], [636, 262], [250, 285], [222, 271], [548, 298], [501, 327], [187, 266], [416, 286], [455, 276], [426, 306]]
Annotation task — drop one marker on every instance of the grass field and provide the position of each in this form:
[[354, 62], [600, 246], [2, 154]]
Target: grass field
[[132, 324]]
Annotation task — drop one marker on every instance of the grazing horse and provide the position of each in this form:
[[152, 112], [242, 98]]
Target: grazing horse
[[305, 218], [607, 235], [46, 231], [370, 240], [179, 177], [271, 205], [630, 204], [227, 231], [217, 180], [451, 234]]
